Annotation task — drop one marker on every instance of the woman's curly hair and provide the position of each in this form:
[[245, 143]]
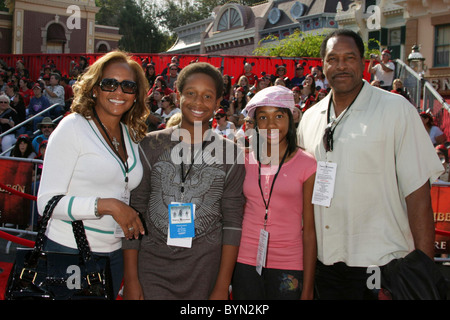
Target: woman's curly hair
[[83, 102]]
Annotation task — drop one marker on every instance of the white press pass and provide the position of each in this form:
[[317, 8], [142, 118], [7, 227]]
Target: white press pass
[[324, 183]]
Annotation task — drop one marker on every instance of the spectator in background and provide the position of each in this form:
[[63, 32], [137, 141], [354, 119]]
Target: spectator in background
[[2, 82], [397, 87], [223, 127], [68, 92], [54, 92], [299, 77], [154, 99], [8, 119], [442, 153], [173, 60], [321, 94], [384, 70], [21, 70], [237, 106], [228, 90], [248, 73], [25, 90], [83, 64], [23, 148], [297, 115], [47, 127], [150, 74], [280, 72], [319, 78], [37, 104], [18, 104], [297, 90], [244, 134], [436, 135], [308, 96], [280, 82], [376, 83], [74, 72], [171, 78], [242, 83], [167, 109], [161, 83], [11, 89]]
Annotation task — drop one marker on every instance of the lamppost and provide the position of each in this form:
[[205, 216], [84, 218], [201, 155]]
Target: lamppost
[[417, 62]]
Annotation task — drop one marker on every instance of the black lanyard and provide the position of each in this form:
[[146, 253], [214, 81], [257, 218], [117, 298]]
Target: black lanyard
[[125, 163], [183, 175], [346, 109], [266, 204]]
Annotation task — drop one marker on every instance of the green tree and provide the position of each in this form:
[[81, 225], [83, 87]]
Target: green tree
[[108, 14], [140, 34], [298, 44]]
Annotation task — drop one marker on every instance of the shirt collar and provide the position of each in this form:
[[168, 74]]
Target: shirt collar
[[360, 103]]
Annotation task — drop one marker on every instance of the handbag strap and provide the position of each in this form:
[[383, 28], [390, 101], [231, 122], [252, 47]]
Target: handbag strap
[[77, 227], [39, 243], [82, 243]]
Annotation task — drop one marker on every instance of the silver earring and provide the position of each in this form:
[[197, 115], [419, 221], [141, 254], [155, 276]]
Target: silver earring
[[94, 95]]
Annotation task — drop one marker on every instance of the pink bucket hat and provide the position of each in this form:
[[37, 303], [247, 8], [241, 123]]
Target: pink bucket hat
[[274, 96]]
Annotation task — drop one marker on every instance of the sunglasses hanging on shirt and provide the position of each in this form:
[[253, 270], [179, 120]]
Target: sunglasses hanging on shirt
[[327, 139]]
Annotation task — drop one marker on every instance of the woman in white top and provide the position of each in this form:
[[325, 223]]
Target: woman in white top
[[436, 135], [92, 158], [168, 108], [225, 128]]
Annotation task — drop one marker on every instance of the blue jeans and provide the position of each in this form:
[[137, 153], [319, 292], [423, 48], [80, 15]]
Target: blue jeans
[[116, 261]]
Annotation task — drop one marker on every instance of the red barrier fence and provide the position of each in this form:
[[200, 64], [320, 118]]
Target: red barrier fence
[[231, 65]]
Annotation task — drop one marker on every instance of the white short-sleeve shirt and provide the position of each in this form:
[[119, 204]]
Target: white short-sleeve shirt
[[383, 153], [386, 77]]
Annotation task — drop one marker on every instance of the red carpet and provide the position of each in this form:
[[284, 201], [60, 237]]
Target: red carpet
[[5, 269]]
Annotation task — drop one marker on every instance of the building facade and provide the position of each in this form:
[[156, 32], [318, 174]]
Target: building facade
[[428, 26], [50, 26], [235, 29], [401, 24]]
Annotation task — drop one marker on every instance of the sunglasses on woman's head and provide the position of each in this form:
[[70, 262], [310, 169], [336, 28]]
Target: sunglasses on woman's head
[[111, 85]]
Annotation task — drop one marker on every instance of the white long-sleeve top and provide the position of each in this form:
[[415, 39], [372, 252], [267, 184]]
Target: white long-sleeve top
[[79, 164]]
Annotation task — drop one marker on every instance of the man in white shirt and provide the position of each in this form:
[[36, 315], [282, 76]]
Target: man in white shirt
[[384, 70], [380, 208], [55, 94]]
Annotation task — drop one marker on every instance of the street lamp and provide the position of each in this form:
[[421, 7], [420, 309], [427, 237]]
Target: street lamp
[[416, 60]]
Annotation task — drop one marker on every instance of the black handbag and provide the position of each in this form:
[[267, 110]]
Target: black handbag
[[39, 275]]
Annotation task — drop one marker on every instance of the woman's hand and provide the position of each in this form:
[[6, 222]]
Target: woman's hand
[[127, 218]]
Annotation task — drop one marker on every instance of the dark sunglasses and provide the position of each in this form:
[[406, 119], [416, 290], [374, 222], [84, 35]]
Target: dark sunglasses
[[328, 138], [111, 85]]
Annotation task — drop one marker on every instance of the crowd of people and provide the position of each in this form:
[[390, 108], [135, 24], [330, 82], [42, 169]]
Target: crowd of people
[[266, 229]]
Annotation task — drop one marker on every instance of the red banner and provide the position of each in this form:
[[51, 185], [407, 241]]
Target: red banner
[[16, 175], [440, 197]]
